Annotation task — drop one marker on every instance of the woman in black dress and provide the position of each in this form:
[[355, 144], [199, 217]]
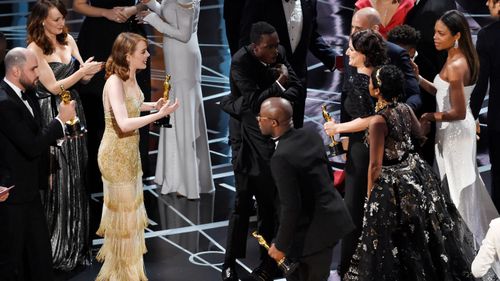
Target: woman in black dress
[[411, 229], [66, 201], [366, 50]]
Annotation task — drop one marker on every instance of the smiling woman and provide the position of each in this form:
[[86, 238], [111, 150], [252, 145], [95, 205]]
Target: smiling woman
[[124, 216]]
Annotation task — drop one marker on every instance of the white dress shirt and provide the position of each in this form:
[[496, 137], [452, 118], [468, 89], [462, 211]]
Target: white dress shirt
[[294, 20], [18, 93], [489, 251]]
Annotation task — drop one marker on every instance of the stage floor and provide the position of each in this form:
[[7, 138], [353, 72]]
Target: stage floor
[[186, 239]]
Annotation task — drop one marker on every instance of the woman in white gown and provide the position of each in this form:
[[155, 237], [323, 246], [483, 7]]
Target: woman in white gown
[[455, 127], [183, 164]]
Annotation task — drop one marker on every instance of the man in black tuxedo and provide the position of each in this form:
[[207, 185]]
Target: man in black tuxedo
[[488, 40], [297, 35], [313, 215], [258, 71], [232, 13], [25, 252]]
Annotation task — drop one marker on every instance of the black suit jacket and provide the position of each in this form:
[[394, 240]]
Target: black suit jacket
[[251, 83], [488, 40], [232, 12], [271, 11], [313, 215], [23, 145]]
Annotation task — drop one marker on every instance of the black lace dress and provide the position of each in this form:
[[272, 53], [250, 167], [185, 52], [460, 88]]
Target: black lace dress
[[411, 229], [66, 202]]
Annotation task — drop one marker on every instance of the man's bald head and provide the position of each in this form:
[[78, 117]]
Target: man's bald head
[[21, 68], [277, 108], [16, 57], [366, 18], [275, 116]]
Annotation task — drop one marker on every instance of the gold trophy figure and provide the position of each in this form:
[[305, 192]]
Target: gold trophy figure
[[335, 147], [284, 264], [165, 121], [73, 127]]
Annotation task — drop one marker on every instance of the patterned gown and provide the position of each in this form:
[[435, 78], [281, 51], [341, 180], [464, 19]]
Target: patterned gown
[[123, 216], [411, 228], [66, 201]]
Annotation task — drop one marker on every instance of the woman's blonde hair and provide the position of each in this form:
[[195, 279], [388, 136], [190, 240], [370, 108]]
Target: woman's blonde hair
[[125, 44]]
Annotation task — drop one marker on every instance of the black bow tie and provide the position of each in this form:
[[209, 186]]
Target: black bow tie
[[24, 96]]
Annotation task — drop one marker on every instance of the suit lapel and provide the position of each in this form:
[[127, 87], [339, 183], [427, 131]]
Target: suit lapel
[[285, 41], [12, 94]]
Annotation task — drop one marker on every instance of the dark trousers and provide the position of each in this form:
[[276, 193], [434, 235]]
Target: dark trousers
[[494, 146], [356, 181], [264, 190], [315, 267], [25, 252]]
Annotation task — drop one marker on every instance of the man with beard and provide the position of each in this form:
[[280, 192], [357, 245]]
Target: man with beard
[[25, 252]]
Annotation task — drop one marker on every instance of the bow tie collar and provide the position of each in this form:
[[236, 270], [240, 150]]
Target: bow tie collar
[[24, 95]]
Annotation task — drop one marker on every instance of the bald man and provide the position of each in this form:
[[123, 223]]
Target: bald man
[[313, 216], [25, 252], [369, 18]]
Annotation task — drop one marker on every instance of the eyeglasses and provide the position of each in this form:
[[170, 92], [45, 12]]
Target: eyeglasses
[[264, 117]]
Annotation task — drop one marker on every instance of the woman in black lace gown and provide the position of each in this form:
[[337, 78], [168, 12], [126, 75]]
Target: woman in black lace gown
[[65, 202], [411, 229]]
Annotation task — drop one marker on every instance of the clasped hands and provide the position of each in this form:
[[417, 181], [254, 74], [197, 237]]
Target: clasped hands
[[282, 71], [90, 68], [3, 197]]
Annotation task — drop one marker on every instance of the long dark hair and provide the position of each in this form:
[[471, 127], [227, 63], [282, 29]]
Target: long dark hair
[[456, 22], [36, 32]]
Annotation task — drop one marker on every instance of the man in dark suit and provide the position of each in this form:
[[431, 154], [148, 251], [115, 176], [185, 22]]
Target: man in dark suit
[[313, 216], [295, 22], [232, 13], [258, 71], [488, 40], [25, 252]]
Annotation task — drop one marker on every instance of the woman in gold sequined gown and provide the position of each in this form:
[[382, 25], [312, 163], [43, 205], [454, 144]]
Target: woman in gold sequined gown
[[124, 217]]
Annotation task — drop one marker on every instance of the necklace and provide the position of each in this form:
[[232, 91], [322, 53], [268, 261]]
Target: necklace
[[385, 6]]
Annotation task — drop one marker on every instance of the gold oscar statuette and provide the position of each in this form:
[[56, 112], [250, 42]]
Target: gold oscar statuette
[[284, 264], [165, 121], [335, 147], [73, 127]]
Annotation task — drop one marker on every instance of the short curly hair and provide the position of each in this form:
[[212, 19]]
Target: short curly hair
[[390, 80], [404, 35], [371, 44]]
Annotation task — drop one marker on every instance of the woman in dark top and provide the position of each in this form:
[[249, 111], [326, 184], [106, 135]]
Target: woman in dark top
[[366, 51]]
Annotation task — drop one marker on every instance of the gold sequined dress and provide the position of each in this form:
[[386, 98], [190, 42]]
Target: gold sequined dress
[[123, 216]]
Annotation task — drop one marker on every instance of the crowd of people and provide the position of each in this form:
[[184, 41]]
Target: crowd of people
[[74, 118]]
